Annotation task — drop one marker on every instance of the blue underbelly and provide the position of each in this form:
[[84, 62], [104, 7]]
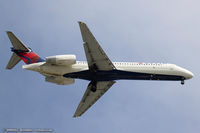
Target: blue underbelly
[[119, 74]]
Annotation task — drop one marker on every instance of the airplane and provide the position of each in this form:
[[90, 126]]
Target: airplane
[[98, 69]]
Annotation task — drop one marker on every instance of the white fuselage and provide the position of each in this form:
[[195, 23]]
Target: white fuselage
[[149, 68]]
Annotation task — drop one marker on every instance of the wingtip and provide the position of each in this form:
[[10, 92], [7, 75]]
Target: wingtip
[[80, 22], [75, 116], [7, 68], [8, 32]]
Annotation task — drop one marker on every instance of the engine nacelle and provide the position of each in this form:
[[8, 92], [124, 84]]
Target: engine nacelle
[[61, 60], [59, 80]]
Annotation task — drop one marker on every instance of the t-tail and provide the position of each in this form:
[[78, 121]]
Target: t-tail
[[21, 52]]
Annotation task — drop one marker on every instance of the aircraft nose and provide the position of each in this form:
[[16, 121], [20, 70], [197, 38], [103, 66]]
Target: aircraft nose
[[188, 74]]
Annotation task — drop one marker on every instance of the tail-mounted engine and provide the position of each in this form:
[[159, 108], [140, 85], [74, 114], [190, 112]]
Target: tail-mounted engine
[[61, 60], [59, 80]]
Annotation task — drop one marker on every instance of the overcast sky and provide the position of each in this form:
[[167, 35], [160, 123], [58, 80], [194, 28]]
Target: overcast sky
[[128, 30]]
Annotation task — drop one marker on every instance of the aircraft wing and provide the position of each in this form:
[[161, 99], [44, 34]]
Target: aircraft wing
[[96, 57], [89, 98]]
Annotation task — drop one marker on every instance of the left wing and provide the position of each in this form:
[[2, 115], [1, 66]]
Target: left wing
[[90, 97], [96, 57]]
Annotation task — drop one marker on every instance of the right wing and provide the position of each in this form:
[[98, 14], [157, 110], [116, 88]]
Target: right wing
[[96, 57], [89, 98]]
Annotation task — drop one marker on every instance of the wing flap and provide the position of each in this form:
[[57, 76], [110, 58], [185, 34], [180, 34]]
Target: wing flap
[[89, 97]]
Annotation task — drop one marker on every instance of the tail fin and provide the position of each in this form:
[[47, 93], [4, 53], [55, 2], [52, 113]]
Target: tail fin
[[21, 52]]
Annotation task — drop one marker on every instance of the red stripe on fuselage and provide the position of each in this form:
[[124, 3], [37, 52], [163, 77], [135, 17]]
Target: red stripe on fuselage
[[29, 58]]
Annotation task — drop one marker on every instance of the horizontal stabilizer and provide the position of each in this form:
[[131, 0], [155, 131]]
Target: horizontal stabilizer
[[21, 52], [13, 61], [17, 44]]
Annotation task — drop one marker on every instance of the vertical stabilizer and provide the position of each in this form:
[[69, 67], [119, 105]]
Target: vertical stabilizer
[[21, 52]]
